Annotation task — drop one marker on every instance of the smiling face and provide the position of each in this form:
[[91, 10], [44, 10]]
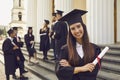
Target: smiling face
[[30, 31], [77, 31], [13, 34]]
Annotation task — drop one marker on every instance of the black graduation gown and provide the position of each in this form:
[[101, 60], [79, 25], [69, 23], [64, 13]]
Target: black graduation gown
[[18, 51], [60, 28], [66, 73], [52, 44], [31, 50], [44, 40], [9, 57]]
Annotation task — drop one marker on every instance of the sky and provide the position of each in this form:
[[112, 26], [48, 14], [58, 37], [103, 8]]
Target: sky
[[5, 11]]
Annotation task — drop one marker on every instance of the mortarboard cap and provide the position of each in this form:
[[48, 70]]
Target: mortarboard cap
[[14, 28], [53, 14], [46, 21], [59, 12], [29, 27], [73, 17], [10, 31]]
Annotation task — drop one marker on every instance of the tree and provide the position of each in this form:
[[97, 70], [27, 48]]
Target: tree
[[1, 31]]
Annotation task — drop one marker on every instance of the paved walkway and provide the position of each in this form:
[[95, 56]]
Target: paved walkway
[[2, 73]]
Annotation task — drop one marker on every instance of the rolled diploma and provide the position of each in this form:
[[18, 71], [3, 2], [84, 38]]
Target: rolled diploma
[[13, 43], [32, 45], [100, 55], [42, 34]]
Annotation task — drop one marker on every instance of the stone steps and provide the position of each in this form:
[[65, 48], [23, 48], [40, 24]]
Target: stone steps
[[104, 75], [112, 59], [110, 69], [115, 53], [107, 64], [31, 74]]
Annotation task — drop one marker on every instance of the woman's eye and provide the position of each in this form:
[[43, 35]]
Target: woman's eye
[[78, 26], [72, 28]]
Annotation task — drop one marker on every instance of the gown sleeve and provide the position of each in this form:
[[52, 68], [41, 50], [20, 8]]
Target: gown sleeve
[[27, 41], [64, 73], [20, 44], [97, 67], [97, 52], [7, 49], [58, 30]]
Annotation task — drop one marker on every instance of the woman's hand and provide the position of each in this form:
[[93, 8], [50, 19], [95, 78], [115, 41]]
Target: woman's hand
[[18, 58], [88, 67], [64, 62], [31, 42], [15, 47]]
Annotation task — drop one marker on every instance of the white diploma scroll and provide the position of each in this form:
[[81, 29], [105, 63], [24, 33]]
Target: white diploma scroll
[[42, 34], [32, 45], [13, 43], [100, 55]]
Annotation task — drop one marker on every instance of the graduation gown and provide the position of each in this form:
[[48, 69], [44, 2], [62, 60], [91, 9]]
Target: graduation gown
[[18, 51], [60, 29], [31, 50], [44, 40], [52, 44], [9, 57], [67, 73]]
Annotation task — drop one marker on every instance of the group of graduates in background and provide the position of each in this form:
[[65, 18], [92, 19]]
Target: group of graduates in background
[[13, 56], [50, 37], [53, 37]]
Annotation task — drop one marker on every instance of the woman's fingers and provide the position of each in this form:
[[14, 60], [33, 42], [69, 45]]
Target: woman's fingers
[[91, 67], [64, 62]]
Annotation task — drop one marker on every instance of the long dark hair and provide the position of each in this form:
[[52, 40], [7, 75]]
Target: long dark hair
[[28, 31], [87, 48]]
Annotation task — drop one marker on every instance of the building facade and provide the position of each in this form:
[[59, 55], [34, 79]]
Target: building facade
[[18, 17], [102, 19]]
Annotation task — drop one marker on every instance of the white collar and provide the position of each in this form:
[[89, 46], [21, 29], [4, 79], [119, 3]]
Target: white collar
[[79, 50], [78, 45], [10, 38]]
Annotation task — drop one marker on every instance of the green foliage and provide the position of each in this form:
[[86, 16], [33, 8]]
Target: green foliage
[[2, 31]]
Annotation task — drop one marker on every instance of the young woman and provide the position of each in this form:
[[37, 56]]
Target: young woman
[[44, 40], [29, 41], [75, 60]]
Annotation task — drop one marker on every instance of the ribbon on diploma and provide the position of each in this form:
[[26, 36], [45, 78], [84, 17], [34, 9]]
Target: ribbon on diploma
[[97, 60]]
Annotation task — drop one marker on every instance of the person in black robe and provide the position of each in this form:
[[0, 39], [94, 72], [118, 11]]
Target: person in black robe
[[29, 41], [60, 33], [44, 39], [20, 58], [76, 57], [8, 49], [52, 43]]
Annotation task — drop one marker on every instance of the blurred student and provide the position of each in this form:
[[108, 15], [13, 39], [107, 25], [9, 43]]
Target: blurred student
[[44, 39], [8, 49], [20, 58], [29, 41], [52, 43]]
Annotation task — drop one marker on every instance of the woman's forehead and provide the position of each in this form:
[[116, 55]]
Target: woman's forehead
[[75, 24]]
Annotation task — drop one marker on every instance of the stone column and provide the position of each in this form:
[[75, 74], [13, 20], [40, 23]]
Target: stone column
[[64, 5], [32, 15], [44, 11], [118, 20], [100, 21]]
